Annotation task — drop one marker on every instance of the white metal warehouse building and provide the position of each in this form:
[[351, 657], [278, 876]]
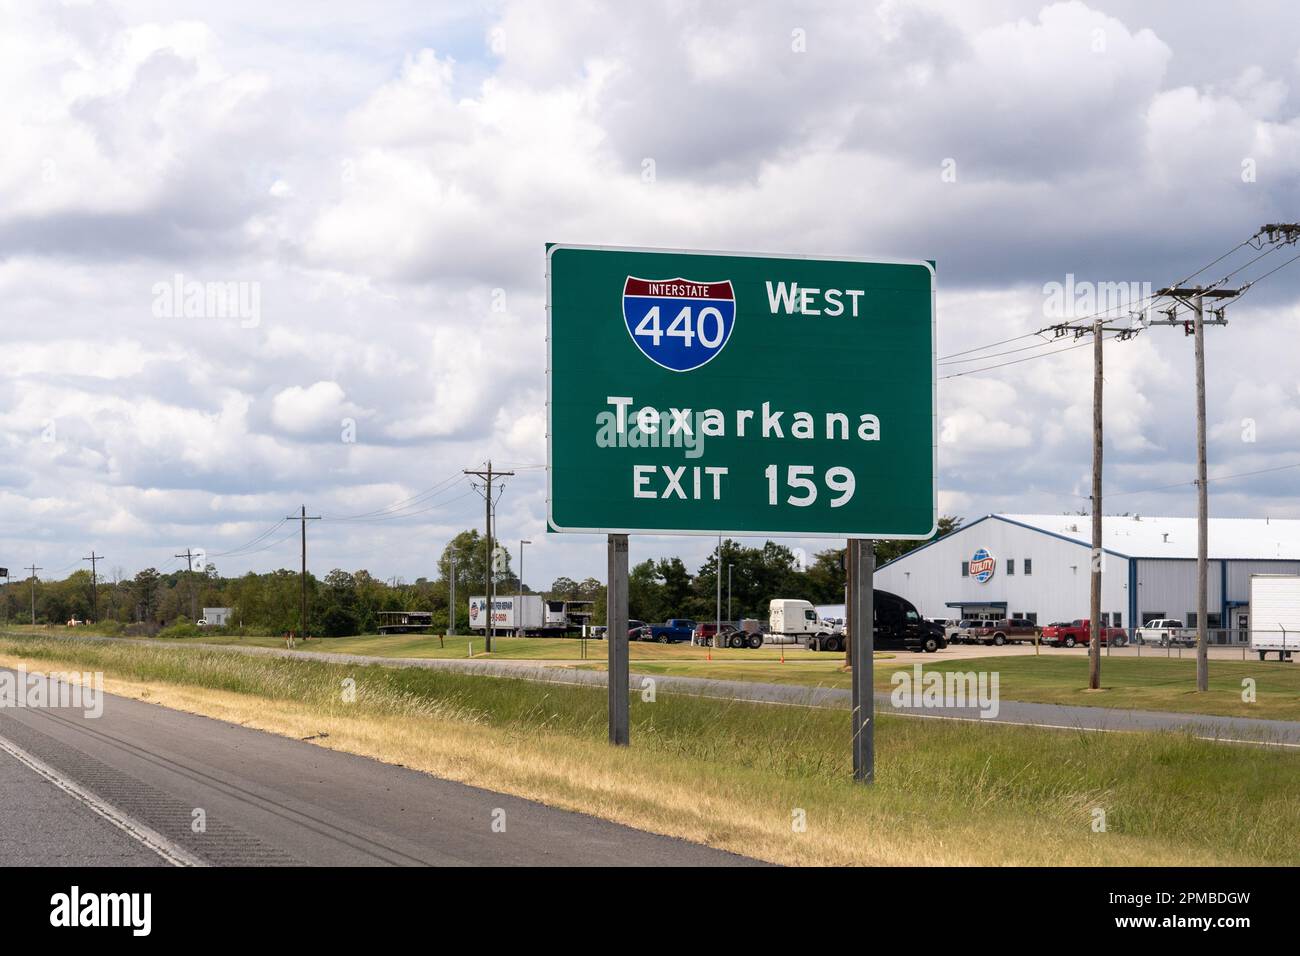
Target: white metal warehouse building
[[1037, 567]]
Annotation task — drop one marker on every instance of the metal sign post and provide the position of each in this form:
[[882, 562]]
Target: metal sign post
[[616, 637], [862, 570]]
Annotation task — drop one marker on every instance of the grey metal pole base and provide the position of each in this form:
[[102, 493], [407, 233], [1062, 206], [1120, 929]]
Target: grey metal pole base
[[862, 571], [616, 637]]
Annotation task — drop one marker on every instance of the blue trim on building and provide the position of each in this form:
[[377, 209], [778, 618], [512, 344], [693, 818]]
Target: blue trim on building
[[1132, 593], [1053, 534], [1223, 592], [928, 544]]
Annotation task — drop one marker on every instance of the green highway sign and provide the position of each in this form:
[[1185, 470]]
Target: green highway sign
[[742, 394]]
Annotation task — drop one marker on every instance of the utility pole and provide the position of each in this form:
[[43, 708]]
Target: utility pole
[[1094, 595], [304, 518], [488, 477], [1194, 298], [94, 587], [33, 568], [189, 574], [1097, 329]]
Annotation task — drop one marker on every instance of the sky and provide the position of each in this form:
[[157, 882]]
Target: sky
[[377, 183]]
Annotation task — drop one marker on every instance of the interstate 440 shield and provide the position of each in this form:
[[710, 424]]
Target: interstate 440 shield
[[703, 392]]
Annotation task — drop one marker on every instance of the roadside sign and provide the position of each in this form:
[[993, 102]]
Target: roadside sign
[[742, 394]]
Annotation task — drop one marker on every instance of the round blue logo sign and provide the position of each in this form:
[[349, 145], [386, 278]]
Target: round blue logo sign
[[679, 324], [982, 565]]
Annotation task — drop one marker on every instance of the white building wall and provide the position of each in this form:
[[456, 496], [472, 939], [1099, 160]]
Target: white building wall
[[1168, 587], [1057, 590], [1239, 573]]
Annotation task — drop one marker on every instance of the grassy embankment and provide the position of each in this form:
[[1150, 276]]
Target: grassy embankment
[[735, 775], [1055, 677]]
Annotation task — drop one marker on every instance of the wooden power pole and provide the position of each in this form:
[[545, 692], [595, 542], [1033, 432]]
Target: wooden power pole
[[1194, 298], [488, 476], [304, 518], [1098, 330], [189, 574], [94, 586], [33, 568]]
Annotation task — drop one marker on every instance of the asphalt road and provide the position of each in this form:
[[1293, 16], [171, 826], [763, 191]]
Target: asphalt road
[[140, 776]]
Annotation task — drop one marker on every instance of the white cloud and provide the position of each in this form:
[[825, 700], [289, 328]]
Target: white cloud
[[387, 183]]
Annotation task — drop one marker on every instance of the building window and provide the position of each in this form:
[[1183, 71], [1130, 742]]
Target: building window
[[965, 569], [1149, 616], [1030, 616], [1011, 566], [1116, 619], [1029, 566]]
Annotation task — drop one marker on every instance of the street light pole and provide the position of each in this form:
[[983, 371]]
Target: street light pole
[[519, 601], [729, 567], [718, 620], [451, 600]]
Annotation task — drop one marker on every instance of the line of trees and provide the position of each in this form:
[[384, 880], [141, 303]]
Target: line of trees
[[349, 602]]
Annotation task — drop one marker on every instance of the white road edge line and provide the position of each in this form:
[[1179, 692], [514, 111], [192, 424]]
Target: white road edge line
[[165, 848]]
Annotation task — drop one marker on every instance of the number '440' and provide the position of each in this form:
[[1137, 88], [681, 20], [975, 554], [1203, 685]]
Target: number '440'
[[708, 327], [802, 488]]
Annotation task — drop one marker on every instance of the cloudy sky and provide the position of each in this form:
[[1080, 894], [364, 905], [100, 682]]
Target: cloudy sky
[[379, 181]]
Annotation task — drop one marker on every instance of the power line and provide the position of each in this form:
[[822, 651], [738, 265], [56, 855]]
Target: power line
[[401, 504], [261, 537], [981, 358], [1029, 358], [1150, 299], [1192, 481]]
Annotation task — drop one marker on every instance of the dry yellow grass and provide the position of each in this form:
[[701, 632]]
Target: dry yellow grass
[[740, 809]]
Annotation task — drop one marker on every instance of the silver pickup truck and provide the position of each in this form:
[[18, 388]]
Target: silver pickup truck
[[1165, 632]]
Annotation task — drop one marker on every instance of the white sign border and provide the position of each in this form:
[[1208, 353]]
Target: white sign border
[[934, 397]]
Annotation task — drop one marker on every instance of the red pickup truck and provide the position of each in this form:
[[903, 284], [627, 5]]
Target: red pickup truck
[[1068, 634]]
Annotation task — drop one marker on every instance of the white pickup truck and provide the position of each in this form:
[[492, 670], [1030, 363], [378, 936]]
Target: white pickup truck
[[1165, 632]]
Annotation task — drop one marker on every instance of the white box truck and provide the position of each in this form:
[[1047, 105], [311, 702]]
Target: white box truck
[[529, 614], [1275, 614]]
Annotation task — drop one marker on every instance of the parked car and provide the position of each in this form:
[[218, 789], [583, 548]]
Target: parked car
[[1164, 633], [1072, 633], [1013, 630], [676, 629], [635, 630], [952, 630]]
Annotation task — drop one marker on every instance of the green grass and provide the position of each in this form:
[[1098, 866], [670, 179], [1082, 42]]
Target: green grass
[[1152, 683], [1142, 683], [1166, 796]]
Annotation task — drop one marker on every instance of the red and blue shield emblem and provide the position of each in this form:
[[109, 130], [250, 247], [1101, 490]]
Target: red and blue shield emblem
[[679, 324], [982, 565]]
